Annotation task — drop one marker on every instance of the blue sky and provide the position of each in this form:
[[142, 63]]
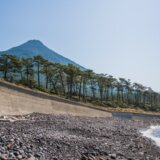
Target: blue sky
[[118, 37]]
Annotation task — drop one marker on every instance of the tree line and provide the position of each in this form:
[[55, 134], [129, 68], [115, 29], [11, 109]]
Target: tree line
[[82, 85]]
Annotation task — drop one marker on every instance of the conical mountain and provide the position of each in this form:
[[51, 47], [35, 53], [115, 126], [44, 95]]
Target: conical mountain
[[36, 47]]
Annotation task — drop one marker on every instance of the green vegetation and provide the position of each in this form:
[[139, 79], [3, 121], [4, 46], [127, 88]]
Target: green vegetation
[[80, 85]]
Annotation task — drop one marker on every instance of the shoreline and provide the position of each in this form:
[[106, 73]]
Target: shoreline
[[150, 133], [45, 136]]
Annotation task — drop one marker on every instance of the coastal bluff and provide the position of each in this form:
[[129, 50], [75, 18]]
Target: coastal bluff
[[18, 100]]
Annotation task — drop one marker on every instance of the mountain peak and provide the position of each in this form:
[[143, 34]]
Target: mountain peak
[[34, 47], [34, 42]]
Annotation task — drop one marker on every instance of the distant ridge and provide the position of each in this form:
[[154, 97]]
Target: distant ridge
[[35, 47]]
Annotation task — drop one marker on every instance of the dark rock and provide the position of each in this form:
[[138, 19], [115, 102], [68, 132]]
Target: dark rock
[[46, 137]]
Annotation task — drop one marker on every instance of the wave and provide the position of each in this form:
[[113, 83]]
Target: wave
[[153, 133]]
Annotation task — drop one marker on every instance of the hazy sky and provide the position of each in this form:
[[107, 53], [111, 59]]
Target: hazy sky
[[118, 37]]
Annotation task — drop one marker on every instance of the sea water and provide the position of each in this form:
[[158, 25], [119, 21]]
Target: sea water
[[153, 133]]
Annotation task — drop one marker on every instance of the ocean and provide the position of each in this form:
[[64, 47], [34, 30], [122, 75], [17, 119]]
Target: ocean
[[153, 133]]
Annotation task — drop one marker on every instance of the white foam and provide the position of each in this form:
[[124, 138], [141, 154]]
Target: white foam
[[149, 134]]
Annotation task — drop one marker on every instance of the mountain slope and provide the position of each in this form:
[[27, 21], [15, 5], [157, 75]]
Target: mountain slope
[[36, 47]]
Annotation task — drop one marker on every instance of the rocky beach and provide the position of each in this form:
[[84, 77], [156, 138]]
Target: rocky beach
[[64, 137]]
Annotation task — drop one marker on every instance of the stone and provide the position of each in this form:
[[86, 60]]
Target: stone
[[31, 158], [3, 156], [19, 157], [113, 156]]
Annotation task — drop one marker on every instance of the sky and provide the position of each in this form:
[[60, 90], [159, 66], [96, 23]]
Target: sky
[[117, 37]]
